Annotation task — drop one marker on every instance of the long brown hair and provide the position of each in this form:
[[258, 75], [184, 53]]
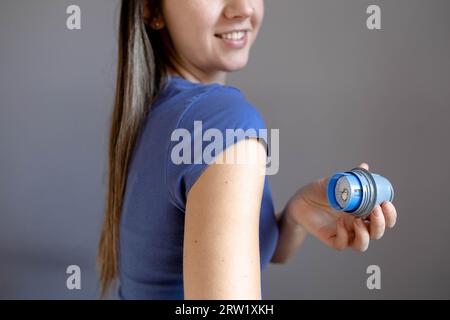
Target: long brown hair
[[143, 61]]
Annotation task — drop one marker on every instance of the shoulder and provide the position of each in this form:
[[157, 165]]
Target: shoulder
[[216, 118], [222, 197], [222, 106]]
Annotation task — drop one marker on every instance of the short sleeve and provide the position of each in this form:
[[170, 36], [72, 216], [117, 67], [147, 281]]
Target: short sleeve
[[212, 122]]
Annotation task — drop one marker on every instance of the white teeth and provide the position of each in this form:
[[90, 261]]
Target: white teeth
[[238, 35]]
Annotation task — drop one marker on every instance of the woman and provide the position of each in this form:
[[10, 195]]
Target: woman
[[198, 230]]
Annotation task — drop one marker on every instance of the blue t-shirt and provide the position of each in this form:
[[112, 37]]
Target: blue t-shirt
[[152, 221]]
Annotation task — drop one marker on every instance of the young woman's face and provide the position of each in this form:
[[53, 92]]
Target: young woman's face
[[213, 36]]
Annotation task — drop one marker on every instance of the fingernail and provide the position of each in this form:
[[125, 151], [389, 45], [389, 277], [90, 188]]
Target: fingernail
[[377, 210]]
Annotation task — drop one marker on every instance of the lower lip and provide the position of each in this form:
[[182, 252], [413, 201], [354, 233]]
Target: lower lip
[[236, 44]]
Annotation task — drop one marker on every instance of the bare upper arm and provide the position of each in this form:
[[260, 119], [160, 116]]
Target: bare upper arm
[[221, 238]]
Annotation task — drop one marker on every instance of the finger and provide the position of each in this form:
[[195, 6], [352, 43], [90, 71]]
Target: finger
[[364, 165], [362, 237], [377, 223], [390, 213], [341, 240]]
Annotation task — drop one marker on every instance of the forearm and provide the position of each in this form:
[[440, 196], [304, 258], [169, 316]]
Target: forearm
[[290, 238]]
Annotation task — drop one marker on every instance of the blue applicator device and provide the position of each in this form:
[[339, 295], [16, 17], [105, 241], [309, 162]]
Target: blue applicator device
[[358, 191]]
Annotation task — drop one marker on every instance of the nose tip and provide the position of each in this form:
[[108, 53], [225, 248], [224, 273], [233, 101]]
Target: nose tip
[[239, 9]]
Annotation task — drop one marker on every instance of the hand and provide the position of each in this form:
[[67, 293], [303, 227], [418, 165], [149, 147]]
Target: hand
[[310, 208]]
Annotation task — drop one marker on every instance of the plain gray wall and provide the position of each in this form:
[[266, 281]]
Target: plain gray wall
[[339, 93]]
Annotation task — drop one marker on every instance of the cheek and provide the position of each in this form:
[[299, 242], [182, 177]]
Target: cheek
[[192, 33], [192, 28], [196, 45], [259, 15]]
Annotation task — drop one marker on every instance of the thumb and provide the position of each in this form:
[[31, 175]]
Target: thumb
[[364, 166]]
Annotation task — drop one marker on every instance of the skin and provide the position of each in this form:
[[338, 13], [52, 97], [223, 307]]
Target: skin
[[221, 244], [221, 241]]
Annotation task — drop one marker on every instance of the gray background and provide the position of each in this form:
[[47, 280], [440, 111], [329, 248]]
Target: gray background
[[339, 93]]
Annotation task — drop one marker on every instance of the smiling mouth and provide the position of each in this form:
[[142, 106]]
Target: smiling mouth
[[234, 36]]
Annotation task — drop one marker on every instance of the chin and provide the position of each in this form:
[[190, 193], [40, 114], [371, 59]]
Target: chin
[[235, 64]]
